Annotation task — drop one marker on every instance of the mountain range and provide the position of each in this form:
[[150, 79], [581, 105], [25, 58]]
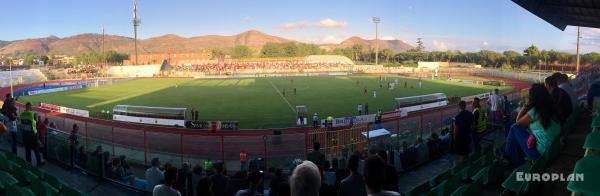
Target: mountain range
[[84, 43]]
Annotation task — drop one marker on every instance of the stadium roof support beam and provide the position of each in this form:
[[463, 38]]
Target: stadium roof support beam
[[560, 13]]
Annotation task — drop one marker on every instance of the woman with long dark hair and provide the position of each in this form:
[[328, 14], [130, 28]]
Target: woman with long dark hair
[[535, 129]]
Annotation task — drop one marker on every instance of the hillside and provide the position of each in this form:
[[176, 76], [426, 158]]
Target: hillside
[[84, 43]]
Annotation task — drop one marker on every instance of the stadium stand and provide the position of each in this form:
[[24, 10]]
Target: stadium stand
[[21, 77]]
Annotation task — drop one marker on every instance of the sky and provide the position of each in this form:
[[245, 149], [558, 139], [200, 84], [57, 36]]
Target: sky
[[468, 25]]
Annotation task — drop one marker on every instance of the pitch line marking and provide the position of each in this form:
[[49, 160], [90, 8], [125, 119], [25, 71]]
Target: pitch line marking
[[281, 95]]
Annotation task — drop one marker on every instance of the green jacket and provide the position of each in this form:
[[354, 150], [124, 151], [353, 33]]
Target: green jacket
[[28, 122]]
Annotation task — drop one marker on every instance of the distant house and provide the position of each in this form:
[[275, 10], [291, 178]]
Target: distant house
[[63, 60]]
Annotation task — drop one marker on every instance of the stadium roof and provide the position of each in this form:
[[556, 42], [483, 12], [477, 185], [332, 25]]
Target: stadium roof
[[560, 13]]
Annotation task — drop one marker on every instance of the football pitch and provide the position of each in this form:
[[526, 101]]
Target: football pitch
[[257, 102]]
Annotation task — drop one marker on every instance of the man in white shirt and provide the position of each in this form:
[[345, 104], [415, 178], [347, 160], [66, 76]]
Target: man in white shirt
[[153, 175], [495, 102], [167, 189]]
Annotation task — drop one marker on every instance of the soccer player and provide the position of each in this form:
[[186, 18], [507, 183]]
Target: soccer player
[[360, 108], [374, 94], [365, 91], [294, 90], [315, 120], [366, 108]]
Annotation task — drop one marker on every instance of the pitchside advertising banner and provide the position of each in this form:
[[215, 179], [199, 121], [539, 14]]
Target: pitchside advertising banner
[[42, 91], [346, 121], [213, 125], [65, 110]]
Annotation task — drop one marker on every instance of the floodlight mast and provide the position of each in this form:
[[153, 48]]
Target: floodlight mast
[[136, 23], [376, 20]]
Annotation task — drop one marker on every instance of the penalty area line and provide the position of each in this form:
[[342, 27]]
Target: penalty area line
[[282, 97]]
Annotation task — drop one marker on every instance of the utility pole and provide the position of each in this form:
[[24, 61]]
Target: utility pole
[[11, 79], [578, 60], [103, 52], [136, 23], [376, 20]]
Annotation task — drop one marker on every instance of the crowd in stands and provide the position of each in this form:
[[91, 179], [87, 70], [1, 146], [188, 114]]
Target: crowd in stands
[[253, 67], [84, 69]]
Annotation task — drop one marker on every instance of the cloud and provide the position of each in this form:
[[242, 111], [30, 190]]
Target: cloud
[[440, 45], [325, 23], [485, 43], [248, 19], [325, 39]]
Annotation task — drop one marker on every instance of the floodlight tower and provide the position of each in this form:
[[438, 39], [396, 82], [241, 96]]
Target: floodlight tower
[[376, 20], [136, 23]]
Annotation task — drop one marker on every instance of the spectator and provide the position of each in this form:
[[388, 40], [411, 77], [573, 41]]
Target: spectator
[[422, 151], [565, 85], [153, 174], [29, 130], [42, 127], [238, 182], [433, 144], [196, 176], [73, 142], [562, 101], [462, 131], [166, 189], [353, 185], [495, 102], [10, 111], [391, 176], [328, 174], [182, 178], [254, 180], [408, 156], [82, 157], [340, 173], [305, 180], [540, 119], [316, 156], [327, 180], [276, 182], [479, 122], [218, 181], [203, 186], [593, 92], [374, 176]]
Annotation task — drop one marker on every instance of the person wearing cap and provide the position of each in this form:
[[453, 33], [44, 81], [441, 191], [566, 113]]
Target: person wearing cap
[[153, 175]]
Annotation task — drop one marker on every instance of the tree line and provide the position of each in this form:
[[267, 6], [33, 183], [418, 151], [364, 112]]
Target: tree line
[[531, 57]]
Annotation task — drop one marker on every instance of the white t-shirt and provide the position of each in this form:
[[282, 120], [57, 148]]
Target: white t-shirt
[[360, 107], [162, 190], [494, 102], [153, 177]]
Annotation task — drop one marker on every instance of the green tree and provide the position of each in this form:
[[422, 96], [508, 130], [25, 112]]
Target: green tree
[[511, 56], [241, 51], [270, 49], [387, 54], [420, 46], [216, 53], [357, 51], [531, 51]]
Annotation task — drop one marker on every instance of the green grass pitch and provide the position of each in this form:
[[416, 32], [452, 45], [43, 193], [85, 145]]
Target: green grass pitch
[[256, 102]]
